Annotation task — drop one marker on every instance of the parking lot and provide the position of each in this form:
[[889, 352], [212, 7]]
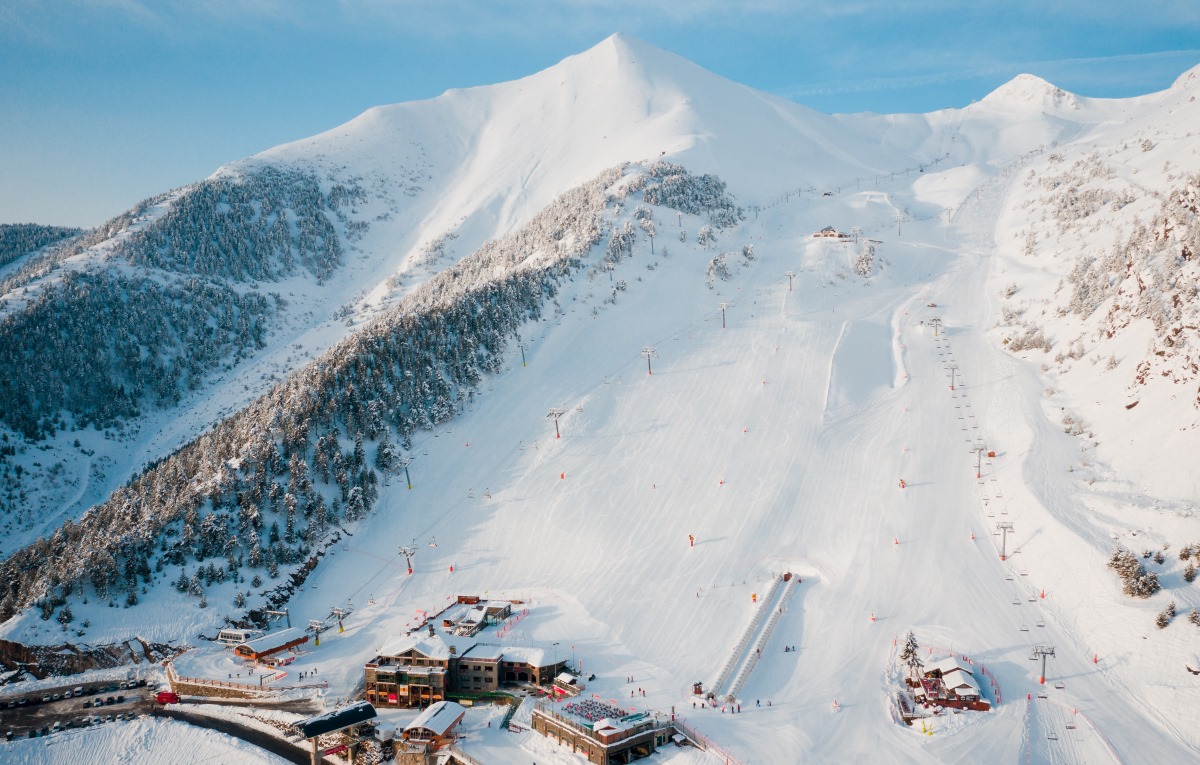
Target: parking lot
[[47, 711]]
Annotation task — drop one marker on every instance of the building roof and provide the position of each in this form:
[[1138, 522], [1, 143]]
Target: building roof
[[947, 665], [484, 652], [524, 654], [276, 639], [433, 647], [438, 718], [337, 719], [958, 681]]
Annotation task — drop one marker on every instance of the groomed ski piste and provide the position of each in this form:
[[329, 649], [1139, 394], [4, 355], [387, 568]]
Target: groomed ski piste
[[777, 432]]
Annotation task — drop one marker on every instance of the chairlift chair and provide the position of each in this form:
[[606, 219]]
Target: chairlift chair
[[1052, 736]]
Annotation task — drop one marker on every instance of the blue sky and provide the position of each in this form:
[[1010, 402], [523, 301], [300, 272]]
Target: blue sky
[[105, 102]]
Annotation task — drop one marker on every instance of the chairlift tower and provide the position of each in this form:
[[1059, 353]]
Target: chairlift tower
[[935, 322], [277, 615], [555, 414], [722, 306], [790, 275], [953, 371], [408, 551], [1004, 527], [979, 450], [404, 463], [649, 353], [1043, 651]]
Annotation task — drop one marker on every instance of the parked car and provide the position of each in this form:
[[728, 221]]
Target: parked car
[[46, 699], [9, 736], [87, 704], [109, 718], [78, 690], [110, 700], [120, 699]]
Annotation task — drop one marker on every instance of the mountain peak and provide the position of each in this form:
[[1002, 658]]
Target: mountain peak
[[1188, 80], [1031, 91]]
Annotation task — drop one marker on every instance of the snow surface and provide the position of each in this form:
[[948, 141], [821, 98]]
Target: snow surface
[[778, 441]]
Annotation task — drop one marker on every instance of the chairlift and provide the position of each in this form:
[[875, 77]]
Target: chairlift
[[1060, 685], [1008, 577], [1032, 599], [1070, 726], [1016, 601], [1024, 572], [1041, 623], [1042, 694], [1024, 628], [1052, 736]]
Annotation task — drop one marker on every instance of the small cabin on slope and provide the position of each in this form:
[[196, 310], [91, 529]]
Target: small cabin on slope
[[273, 643], [829, 232]]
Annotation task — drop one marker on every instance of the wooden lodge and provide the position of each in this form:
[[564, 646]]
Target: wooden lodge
[[435, 726], [950, 682], [260, 648]]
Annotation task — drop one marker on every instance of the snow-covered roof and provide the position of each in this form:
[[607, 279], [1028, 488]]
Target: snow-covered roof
[[484, 652], [566, 678], [957, 681], [275, 639], [534, 657], [432, 646], [438, 718], [609, 723], [948, 664]]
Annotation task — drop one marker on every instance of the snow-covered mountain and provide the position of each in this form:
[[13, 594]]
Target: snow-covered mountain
[[426, 281]]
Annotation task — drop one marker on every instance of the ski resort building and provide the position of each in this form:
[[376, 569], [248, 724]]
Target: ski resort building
[[260, 648], [601, 732], [829, 232], [426, 666], [435, 726], [950, 682]]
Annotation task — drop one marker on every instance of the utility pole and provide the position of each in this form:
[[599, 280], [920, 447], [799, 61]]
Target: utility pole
[[953, 369], [1004, 527], [790, 275], [722, 306], [1043, 651], [898, 219], [408, 551], [556, 413], [935, 322], [404, 463], [522, 346], [649, 353]]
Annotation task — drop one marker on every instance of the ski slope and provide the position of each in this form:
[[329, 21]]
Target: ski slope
[[778, 440]]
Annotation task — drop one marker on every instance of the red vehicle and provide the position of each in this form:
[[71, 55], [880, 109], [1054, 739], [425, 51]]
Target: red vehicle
[[167, 697]]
